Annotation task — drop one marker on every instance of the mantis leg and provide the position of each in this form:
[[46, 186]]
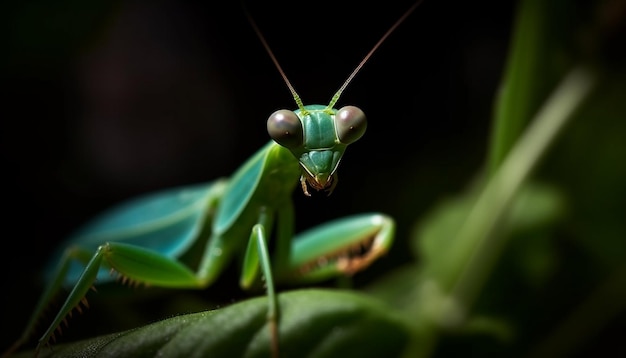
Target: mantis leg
[[49, 293], [340, 247], [133, 263], [257, 256]]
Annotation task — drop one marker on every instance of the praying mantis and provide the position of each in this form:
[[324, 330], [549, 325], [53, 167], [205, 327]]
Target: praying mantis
[[143, 240]]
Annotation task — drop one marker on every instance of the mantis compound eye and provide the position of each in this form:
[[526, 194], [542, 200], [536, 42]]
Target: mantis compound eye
[[350, 124], [285, 128]]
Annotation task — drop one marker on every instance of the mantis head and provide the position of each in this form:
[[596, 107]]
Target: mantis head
[[317, 136]]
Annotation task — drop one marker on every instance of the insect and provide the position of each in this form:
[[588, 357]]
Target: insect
[[143, 240]]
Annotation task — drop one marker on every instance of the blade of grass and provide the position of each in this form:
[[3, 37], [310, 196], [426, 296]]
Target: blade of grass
[[519, 96], [475, 235]]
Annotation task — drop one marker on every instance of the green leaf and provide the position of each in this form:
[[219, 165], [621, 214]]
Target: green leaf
[[314, 323]]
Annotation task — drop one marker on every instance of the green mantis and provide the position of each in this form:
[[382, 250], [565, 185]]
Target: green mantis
[[143, 240]]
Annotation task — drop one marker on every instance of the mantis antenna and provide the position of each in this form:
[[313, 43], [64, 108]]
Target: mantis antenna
[[369, 54], [337, 94], [295, 95]]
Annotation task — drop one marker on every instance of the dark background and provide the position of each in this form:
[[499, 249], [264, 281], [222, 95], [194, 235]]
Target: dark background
[[108, 100]]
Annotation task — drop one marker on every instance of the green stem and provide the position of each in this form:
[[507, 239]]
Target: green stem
[[475, 235]]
